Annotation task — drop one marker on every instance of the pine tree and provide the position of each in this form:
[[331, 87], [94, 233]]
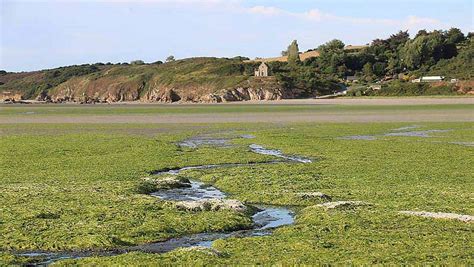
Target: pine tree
[[293, 53]]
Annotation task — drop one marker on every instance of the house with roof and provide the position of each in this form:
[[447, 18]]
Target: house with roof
[[262, 70], [428, 79]]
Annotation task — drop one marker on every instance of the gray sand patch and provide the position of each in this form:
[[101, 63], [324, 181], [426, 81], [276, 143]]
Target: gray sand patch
[[359, 137], [425, 133]]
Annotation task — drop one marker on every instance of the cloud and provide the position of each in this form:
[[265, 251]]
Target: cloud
[[263, 10], [316, 15]]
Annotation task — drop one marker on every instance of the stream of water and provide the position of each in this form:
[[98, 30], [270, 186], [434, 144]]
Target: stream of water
[[264, 220]]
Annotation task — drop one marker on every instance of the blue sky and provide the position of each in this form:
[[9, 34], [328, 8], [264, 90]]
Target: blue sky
[[50, 33]]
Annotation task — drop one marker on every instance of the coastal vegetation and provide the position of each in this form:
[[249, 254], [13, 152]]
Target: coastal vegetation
[[73, 187], [392, 61]]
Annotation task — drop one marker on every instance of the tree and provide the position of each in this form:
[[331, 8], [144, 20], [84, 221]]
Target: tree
[[379, 68], [421, 32], [423, 50], [398, 39], [331, 56], [137, 62], [368, 71], [454, 36], [293, 53], [170, 59], [332, 46]]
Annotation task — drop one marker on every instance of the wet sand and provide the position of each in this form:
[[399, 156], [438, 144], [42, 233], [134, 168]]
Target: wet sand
[[316, 115], [272, 117]]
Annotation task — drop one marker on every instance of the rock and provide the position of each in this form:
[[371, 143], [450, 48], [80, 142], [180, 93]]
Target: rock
[[150, 184], [312, 195], [211, 205], [43, 96], [440, 215], [208, 251], [168, 182], [343, 204]]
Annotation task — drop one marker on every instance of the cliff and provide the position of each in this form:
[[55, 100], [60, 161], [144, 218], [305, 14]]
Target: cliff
[[189, 80]]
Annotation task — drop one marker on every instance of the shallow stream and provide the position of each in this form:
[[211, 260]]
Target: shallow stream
[[264, 220]]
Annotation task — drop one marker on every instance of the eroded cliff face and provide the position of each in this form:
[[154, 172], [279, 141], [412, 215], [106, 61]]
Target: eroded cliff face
[[119, 89], [104, 89], [246, 94]]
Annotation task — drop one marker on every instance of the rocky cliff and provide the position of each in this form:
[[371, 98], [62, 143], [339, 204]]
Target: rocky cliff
[[209, 80]]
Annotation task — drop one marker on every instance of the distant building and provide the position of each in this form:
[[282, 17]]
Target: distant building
[[351, 79], [262, 70], [375, 87], [428, 79]]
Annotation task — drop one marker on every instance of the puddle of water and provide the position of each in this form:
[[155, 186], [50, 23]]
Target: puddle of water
[[411, 127], [273, 217], [359, 137], [247, 136], [425, 133], [277, 153], [463, 143], [197, 191], [204, 141]]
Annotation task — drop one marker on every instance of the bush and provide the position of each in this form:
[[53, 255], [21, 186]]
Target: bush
[[398, 88]]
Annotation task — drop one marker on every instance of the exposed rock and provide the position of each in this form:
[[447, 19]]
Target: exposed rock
[[43, 96], [312, 195], [440, 215], [161, 94], [168, 182], [208, 251], [211, 205], [343, 204], [249, 93]]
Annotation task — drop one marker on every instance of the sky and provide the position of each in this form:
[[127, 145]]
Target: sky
[[41, 34]]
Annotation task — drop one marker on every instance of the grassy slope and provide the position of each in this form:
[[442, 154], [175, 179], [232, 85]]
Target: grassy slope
[[62, 188], [215, 73]]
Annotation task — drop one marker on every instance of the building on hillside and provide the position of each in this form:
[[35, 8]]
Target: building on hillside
[[375, 87], [262, 70], [428, 79], [351, 79]]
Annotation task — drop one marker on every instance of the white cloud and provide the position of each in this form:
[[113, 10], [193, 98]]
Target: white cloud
[[316, 15], [263, 10]]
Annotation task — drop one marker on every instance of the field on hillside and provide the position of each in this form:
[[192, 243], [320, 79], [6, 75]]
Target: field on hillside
[[68, 188]]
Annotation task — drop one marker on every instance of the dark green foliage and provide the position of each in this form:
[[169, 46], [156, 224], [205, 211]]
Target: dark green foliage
[[50, 79], [461, 66], [302, 80], [293, 53], [137, 62], [398, 88]]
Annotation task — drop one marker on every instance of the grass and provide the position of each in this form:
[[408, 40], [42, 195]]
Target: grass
[[74, 187]]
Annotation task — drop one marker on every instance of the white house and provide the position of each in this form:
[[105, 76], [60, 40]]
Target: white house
[[428, 79], [262, 70]]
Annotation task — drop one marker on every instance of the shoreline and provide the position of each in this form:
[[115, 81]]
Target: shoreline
[[409, 100]]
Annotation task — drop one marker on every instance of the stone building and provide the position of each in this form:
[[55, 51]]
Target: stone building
[[262, 70]]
